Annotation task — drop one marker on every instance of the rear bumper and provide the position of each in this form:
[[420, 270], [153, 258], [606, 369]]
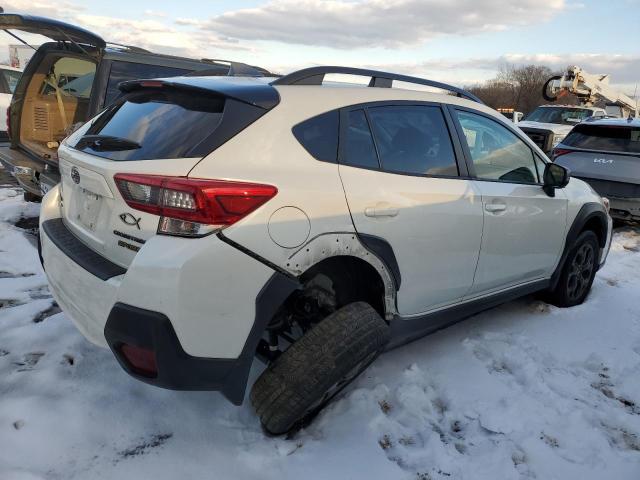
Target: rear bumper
[[25, 170], [625, 208], [199, 304]]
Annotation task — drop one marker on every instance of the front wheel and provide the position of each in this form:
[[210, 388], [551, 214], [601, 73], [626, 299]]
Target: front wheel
[[296, 386], [578, 272]]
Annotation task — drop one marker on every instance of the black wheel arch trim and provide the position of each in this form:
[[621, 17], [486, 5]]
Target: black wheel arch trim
[[586, 213], [384, 251], [177, 370]]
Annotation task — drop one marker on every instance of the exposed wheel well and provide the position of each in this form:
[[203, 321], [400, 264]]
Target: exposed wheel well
[[352, 279], [598, 226]]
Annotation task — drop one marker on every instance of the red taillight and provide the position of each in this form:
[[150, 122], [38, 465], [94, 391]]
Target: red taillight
[[557, 152], [141, 360], [218, 203]]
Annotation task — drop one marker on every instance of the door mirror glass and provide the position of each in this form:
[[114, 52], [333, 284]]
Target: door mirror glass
[[555, 176]]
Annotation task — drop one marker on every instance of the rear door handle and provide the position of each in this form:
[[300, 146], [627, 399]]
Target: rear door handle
[[381, 210], [495, 207]]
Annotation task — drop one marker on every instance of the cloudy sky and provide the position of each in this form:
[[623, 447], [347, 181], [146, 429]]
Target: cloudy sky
[[459, 41]]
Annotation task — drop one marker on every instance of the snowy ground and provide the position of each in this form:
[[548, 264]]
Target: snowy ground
[[522, 391]]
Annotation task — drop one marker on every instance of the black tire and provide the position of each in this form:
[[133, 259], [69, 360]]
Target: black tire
[[295, 387], [31, 197], [545, 94], [578, 272]]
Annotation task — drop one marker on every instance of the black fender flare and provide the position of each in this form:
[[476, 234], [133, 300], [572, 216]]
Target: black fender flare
[[384, 251], [587, 212]]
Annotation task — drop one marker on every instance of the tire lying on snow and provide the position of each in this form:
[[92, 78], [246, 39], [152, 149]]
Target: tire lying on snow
[[315, 368]]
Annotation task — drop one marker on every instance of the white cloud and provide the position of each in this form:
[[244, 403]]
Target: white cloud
[[377, 23], [152, 31]]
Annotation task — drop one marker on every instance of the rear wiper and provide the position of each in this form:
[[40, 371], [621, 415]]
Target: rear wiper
[[106, 143]]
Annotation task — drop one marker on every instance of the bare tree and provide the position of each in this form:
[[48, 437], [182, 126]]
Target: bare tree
[[517, 87]]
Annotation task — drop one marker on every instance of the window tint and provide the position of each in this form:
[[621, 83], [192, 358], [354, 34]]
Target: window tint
[[607, 138], [12, 78], [359, 149], [497, 153], [413, 139], [122, 71], [319, 135], [154, 125]]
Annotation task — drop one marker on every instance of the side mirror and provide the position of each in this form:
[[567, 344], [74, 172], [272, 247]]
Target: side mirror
[[517, 116], [555, 176]]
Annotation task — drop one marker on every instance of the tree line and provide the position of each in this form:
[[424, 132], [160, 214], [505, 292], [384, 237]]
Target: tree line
[[517, 87]]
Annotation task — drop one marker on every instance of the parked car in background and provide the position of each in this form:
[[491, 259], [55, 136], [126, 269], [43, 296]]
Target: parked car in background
[[68, 81], [547, 125], [312, 226], [9, 77], [606, 154]]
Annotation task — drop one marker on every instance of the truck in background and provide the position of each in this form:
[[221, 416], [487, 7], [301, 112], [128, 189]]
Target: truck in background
[[548, 125]]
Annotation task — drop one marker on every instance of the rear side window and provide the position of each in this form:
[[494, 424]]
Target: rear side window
[[605, 137], [154, 125], [122, 71], [359, 149], [319, 136], [413, 140]]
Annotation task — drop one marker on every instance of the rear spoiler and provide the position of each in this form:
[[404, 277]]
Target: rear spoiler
[[246, 90]]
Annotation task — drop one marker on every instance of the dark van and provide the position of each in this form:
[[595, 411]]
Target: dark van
[[68, 81]]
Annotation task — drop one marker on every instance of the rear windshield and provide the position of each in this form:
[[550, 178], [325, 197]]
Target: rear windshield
[[605, 138], [154, 125]]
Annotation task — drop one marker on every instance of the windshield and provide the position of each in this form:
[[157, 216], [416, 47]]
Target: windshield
[[560, 115], [605, 138]]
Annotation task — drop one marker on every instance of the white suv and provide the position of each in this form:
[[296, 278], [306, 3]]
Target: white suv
[[204, 221]]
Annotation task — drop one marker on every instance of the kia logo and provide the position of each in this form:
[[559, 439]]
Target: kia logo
[[75, 175], [602, 160]]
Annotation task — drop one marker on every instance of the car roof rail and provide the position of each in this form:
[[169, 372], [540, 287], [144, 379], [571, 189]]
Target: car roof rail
[[131, 48], [315, 76], [236, 69]]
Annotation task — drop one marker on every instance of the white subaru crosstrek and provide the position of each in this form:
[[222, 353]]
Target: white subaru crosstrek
[[202, 222]]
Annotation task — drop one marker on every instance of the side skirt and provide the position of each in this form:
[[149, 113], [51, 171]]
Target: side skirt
[[405, 330]]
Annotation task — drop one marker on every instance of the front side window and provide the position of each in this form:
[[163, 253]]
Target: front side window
[[497, 153], [413, 140], [122, 71]]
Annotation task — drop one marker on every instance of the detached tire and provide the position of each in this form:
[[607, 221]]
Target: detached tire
[[294, 388], [578, 272]]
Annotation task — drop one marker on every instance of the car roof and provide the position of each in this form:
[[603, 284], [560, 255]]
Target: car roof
[[617, 122], [266, 92], [583, 107]]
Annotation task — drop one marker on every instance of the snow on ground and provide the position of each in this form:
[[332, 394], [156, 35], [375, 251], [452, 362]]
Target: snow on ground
[[525, 390]]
